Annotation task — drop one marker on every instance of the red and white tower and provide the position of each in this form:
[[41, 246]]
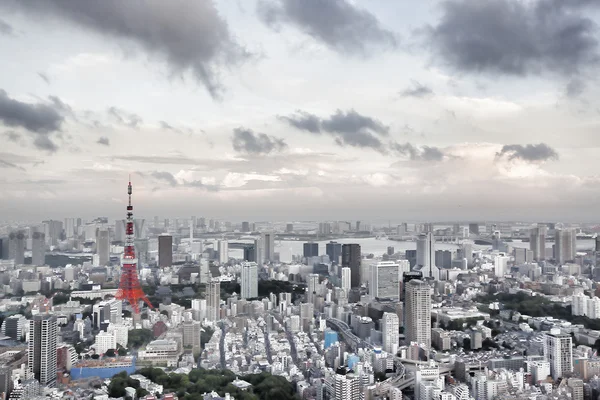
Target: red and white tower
[[129, 285]]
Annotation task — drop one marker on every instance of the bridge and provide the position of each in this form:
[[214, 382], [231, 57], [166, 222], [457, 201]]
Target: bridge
[[350, 338]]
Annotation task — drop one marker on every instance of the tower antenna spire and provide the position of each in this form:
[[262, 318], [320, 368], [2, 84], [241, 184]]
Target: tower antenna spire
[[130, 289]]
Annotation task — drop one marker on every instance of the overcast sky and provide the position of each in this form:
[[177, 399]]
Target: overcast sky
[[301, 109]]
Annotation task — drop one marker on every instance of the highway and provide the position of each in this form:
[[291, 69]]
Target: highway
[[350, 338]]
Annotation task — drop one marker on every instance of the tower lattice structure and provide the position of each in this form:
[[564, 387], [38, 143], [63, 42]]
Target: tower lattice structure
[[129, 285]]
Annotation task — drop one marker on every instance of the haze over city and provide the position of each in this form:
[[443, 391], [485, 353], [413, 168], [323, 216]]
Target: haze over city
[[288, 109]]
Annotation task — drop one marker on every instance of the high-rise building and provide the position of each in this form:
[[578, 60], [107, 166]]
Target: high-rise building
[[223, 247], [120, 230], [38, 248], [41, 357], [501, 265], [334, 251], [268, 246], [385, 281], [142, 247], [537, 242], [70, 228], [245, 226], [346, 279], [104, 342], [165, 251], [351, 258], [16, 247], [565, 245], [390, 325], [426, 251], [417, 312], [289, 228], [558, 350], [249, 285], [192, 331], [213, 301], [346, 386], [103, 246], [140, 228], [311, 249]]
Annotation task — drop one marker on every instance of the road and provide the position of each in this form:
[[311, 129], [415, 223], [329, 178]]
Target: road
[[222, 346], [268, 345]]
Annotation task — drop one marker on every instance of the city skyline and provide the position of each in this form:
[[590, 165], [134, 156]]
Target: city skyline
[[276, 114]]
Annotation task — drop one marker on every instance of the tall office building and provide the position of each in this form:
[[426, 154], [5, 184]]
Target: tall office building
[[249, 285], [16, 247], [311, 250], [351, 258], [346, 385], [390, 325], [474, 228], [165, 251], [417, 312], [223, 247], [38, 248], [558, 350], [213, 301], [142, 246], [41, 361], [537, 242], [53, 231], [70, 228], [268, 246], [245, 226], [120, 230], [289, 228], [426, 251], [501, 265], [103, 246], [334, 251], [565, 245], [346, 279], [140, 228], [385, 281]]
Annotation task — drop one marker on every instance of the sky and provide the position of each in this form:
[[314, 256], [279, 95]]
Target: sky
[[301, 109]]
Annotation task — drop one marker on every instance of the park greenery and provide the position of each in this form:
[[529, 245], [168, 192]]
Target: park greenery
[[538, 306], [140, 337], [199, 381]]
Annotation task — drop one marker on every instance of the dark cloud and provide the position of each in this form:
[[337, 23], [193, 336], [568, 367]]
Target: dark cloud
[[528, 152], [103, 141], [170, 179], [124, 118], [44, 77], [164, 176], [43, 142], [190, 35], [38, 118], [339, 24], [515, 37], [349, 128], [7, 164], [417, 90], [246, 141], [13, 136], [5, 28], [425, 153], [575, 87]]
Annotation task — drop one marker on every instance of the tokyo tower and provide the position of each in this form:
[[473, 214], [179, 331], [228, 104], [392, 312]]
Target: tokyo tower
[[129, 285]]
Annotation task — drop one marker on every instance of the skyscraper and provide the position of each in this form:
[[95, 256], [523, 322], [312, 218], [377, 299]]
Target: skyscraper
[[140, 228], [245, 226], [351, 258], [70, 225], [268, 244], [103, 246], [16, 247], [426, 250], [385, 281], [213, 301], [249, 285], [43, 332], [38, 248], [389, 331], [223, 247], [558, 350], [565, 245], [334, 251], [417, 312], [346, 279], [537, 242], [165, 251], [311, 250]]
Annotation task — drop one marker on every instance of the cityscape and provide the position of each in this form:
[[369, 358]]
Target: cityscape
[[299, 200]]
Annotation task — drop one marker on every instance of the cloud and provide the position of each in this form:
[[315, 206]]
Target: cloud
[[123, 117], [6, 164], [425, 153], [43, 142], [575, 87], [103, 141], [5, 28], [246, 141], [37, 118], [529, 152], [349, 128], [339, 24], [13, 136], [164, 176], [190, 36], [44, 77], [178, 181], [417, 90], [515, 37]]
